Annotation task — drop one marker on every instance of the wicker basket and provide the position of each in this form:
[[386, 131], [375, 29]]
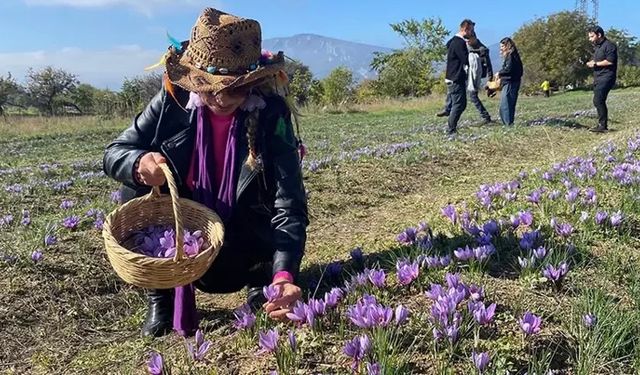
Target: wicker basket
[[156, 209]]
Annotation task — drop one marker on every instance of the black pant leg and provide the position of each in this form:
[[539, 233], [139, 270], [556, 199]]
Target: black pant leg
[[458, 94], [600, 93]]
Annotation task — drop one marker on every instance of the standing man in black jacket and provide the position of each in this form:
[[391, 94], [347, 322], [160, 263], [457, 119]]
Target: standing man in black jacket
[[605, 67], [456, 74]]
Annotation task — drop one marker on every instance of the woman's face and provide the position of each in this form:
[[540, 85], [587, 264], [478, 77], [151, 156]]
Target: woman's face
[[503, 49], [226, 102]]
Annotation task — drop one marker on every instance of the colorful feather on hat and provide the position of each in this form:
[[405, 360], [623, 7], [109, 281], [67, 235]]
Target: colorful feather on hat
[[168, 85], [175, 43], [162, 62]]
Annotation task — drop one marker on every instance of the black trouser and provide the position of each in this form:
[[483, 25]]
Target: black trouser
[[600, 93], [473, 95], [546, 93], [458, 95], [240, 263]]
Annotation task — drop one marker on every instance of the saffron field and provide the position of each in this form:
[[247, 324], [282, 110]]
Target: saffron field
[[501, 251]]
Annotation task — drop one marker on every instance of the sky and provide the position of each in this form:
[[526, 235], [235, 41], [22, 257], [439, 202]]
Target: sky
[[103, 41]]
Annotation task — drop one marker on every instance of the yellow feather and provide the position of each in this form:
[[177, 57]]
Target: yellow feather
[[163, 61]]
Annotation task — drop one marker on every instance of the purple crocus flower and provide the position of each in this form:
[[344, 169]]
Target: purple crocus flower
[[6, 220], [36, 256], [67, 204], [299, 313], [98, 223], [357, 349], [334, 269], [589, 320], [616, 219], [540, 252], [483, 315], [490, 227], [564, 229], [116, 197], [526, 218], [463, 254], [155, 364], [401, 314], [450, 212], [601, 217], [535, 196], [453, 280], [476, 292], [555, 274], [50, 240], [268, 341], [71, 222], [590, 196], [554, 194], [523, 262], [272, 292], [480, 360], [445, 260], [293, 343], [482, 253], [529, 239], [572, 195], [584, 215], [317, 306], [515, 221], [530, 323], [408, 237], [332, 297], [377, 277], [373, 369], [245, 318], [201, 347], [407, 272]]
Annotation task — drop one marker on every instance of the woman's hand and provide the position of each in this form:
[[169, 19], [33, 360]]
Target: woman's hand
[[148, 171], [279, 308]]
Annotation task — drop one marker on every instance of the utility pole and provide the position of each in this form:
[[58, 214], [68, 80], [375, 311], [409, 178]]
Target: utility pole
[[582, 6]]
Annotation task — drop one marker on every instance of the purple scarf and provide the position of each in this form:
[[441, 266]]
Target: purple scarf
[[220, 199]]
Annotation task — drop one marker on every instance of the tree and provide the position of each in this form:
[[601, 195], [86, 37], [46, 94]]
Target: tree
[[555, 48], [49, 87], [410, 71], [138, 91], [338, 86], [300, 78], [9, 92], [627, 46], [84, 97]]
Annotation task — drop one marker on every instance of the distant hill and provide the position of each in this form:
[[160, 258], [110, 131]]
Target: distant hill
[[322, 54]]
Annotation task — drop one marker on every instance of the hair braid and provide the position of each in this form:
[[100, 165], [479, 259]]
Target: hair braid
[[251, 124]]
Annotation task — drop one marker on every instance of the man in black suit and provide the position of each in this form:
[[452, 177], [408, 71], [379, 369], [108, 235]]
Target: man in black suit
[[456, 73]]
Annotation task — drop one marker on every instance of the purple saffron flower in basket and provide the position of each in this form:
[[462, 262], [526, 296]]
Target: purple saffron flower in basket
[[589, 320], [268, 341], [480, 360], [245, 318], [71, 222], [408, 237], [377, 277], [601, 217], [407, 272], [464, 254], [483, 315], [272, 292], [530, 323], [200, 348], [450, 213], [155, 364]]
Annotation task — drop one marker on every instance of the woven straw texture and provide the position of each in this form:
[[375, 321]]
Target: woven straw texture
[[157, 209]]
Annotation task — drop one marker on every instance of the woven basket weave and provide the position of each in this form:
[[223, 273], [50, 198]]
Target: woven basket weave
[[157, 209]]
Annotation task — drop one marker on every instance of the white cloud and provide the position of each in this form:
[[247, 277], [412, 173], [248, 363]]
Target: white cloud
[[144, 6], [106, 68]]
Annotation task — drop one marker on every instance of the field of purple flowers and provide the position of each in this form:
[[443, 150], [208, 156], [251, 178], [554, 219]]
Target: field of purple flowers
[[505, 251]]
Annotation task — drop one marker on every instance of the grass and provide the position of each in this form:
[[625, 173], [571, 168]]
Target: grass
[[71, 314]]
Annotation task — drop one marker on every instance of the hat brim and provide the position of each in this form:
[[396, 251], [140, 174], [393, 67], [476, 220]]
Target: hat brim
[[190, 78]]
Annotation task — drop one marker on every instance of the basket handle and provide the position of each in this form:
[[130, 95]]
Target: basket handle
[[177, 212]]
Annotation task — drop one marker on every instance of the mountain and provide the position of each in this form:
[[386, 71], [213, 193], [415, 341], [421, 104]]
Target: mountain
[[322, 54]]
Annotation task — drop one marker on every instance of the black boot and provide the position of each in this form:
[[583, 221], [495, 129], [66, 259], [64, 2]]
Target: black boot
[[259, 277], [159, 321]]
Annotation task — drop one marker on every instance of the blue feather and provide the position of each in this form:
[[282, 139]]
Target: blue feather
[[175, 43]]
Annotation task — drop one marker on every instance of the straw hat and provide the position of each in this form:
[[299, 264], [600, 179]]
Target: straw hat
[[224, 52]]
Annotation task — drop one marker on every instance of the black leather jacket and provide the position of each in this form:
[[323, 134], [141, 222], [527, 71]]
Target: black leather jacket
[[271, 206]]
